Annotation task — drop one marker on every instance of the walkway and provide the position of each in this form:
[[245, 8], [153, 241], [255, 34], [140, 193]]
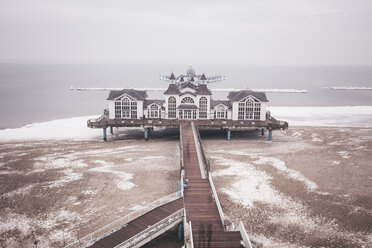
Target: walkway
[[200, 206], [139, 224]]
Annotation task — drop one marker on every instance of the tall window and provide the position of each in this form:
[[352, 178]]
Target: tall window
[[154, 111], [203, 105], [126, 108], [220, 112], [171, 107], [257, 110], [249, 109], [187, 100]]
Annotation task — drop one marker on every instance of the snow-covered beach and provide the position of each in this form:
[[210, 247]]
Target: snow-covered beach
[[309, 187]]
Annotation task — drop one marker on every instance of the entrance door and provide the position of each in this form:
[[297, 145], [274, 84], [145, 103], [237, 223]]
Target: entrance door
[[187, 114]]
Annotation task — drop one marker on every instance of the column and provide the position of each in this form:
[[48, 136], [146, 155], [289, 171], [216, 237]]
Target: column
[[228, 134], [270, 134], [111, 130], [263, 131], [146, 134]]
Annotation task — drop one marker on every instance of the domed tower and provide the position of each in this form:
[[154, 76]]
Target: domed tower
[[190, 72]]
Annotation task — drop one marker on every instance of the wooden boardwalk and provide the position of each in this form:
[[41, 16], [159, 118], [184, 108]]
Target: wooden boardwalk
[[139, 224], [200, 206]]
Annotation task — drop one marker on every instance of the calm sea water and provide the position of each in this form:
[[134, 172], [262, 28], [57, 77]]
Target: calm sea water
[[34, 93]]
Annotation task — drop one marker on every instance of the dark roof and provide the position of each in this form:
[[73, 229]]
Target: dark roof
[[137, 94], [172, 90], [203, 77], [148, 102], [187, 92], [188, 84], [214, 103], [187, 106], [203, 90], [181, 80], [239, 95], [172, 77], [192, 79]]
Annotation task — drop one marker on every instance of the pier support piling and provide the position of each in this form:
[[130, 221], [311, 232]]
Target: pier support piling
[[263, 131], [146, 134], [111, 130], [270, 135], [104, 134], [228, 134], [180, 232]]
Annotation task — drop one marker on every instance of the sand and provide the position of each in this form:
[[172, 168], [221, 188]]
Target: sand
[[56, 191], [309, 187]]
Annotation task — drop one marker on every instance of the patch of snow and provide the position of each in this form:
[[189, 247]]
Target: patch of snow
[[123, 181], [15, 221], [154, 157], [315, 138], [89, 192], [280, 165], [297, 134], [336, 162], [252, 185], [347, 116], [69, 176], [72, 128], [21, 191], [344, 154]]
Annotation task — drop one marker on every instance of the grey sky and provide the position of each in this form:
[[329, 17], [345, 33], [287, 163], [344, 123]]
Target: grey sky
[[315, 32]]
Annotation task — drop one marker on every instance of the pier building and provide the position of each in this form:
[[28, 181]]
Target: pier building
[[187, 98]]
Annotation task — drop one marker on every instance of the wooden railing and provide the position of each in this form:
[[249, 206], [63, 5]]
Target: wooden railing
[[199, 150], [243, 233], [215, 196], [119, 223], [153, 231]]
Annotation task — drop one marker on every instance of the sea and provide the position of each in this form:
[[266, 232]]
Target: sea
[[32, 93]]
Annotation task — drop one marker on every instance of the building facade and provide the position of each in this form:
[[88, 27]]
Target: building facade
[[187, 97]]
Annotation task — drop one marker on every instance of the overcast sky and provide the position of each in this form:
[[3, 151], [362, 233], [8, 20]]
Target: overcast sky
[[253, 32]]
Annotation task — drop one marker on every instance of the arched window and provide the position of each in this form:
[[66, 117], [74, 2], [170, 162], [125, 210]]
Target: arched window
[[203, 106], [126, 107], [171, 107], [249, 109], [187, 100], [154, 111], [220, 112]]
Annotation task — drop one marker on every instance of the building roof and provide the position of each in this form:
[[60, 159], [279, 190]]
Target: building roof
[[239, 95], [203, 90], [172, 90], [137, 94], [187, 92], [188, 84], [148, 102], [187, 106], [203, 77], [214, 103]]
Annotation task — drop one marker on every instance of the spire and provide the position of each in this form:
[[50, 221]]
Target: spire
[[203, 78], [172, 77]]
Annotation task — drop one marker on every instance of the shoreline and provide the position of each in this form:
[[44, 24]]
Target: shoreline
[[75, 128]]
